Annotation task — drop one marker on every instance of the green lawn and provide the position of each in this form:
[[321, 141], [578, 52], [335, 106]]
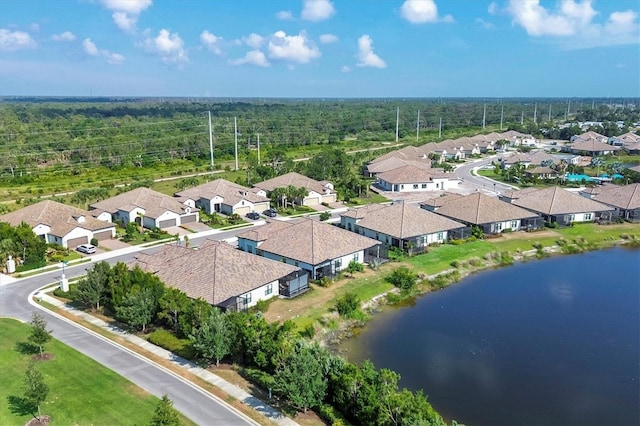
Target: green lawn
[[439, 258], [81, 391]]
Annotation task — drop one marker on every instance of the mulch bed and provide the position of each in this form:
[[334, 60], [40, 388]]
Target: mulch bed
[[44, 357], [43, 421]]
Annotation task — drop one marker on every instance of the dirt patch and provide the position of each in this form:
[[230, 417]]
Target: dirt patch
[[42, 421], [309, 418], [547, 233], [44, 357]]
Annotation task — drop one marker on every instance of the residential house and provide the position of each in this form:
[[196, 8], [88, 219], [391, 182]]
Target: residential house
[[516, 138], [58, 223], [401, 225], [630, 142], [318, 247], [541, 173], [534, 158], [625, 200], [391, 163], [589, 136], [146, 207], [488, 213], [557, 205], [222, 275], [222, 196], [412, 179], [318, 192], [593, 148]]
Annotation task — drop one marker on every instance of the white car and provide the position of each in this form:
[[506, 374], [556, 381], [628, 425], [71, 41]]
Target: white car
[[86, 248]]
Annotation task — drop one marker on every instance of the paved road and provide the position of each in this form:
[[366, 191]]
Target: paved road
[[482, 183], [199, 406]]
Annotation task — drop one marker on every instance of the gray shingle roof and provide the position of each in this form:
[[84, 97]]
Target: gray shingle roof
[[215, 272], [404, 220], [60, 218], [480, 209], [232, 193], [626, 197], [153, 202], [556, 200], [309, 241]]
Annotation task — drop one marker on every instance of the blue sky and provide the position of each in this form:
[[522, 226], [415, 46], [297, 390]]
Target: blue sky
[[320, 48]]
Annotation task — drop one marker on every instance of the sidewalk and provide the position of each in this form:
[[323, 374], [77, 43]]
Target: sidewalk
[[241, 395]]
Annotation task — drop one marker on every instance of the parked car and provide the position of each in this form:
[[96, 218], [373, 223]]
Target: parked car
[[270, 213], [253, 215], [86, 248]]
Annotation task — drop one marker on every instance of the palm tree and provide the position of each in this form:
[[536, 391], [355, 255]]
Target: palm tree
[[596, 162], [615, 167]]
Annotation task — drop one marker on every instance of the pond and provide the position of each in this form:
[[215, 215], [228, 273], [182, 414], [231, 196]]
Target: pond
[[550, 342]]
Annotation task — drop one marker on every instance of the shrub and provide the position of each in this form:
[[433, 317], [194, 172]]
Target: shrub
[[347, 305], [260, 378], [324, 282], [95, 242], [262, 305], [325, 216], [455, 264], [403, 278], [167, 340]]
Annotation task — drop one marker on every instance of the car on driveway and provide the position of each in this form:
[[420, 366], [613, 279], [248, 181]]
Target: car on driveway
[[253, 215], [86, 248], [270, 213]]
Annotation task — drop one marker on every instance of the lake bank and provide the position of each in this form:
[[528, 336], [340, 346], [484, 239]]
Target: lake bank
[[470, 373]]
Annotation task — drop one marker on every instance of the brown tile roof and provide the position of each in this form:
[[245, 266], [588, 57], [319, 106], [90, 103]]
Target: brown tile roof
[[593, 145], [441, 200], [361, 212], [626, 197], [295, 179], [412, 174], [478, 209], [635, 168], [215, 272], [556, 200], [406, 153], [591, 135], [516, 193], [61, 218], [535, 157], [541, 170], [311, 241], [261, 233], [629, 137], [392, 163], [153, 202], [232, 193], [404, 220]]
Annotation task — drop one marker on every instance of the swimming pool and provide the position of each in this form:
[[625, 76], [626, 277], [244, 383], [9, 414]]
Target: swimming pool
[[580, 178]]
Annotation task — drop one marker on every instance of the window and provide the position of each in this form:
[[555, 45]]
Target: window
[[587, 216], [269, 289], [259, 252], [247, 298], [572, 217], [424, 185], [338, 263], [296, 263], [514, 224], [415, 186], [440, 236], [401, 186], [499, 226]]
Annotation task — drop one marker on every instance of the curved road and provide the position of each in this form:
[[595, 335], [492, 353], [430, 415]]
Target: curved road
[[195, 403], [481, 183]]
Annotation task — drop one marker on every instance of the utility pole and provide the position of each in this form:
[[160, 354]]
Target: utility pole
[[522, 119], [440, 129], [258, 148], [418, 128], [235, 131], [549, 112], [535, 113], [397, 121], [211, 141], [484, 116], [501, 115]]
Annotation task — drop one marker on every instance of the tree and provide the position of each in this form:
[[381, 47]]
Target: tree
[[165, 414], [137, 309], [348, 304], [173, 304], [35, 389], [615, 167], [212, 340], [301, 378], [91, 290], [39, 333], [596, 163], [403, 278]]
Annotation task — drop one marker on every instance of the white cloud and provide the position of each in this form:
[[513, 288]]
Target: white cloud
[[484, 24], [170, 47], [65, 36], [317, 10], [572, 23], [253, 57], [366, 56], [328, 38], [212, 42], [422, 11], [15, 40], [493, 8], [284, 15], [126, 12], [345, 69], [253, 40], [293, 48], [91, 49]]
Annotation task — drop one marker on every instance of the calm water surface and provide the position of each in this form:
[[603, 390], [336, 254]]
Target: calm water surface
[[551, 342]]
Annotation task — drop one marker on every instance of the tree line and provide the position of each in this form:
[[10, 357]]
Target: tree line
[[301, 372]]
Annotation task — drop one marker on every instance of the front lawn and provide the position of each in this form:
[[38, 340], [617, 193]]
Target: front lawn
[[439, 258], [81, 391]]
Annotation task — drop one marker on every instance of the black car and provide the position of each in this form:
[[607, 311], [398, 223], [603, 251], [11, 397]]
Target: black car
[[270, 213], [253, 215]]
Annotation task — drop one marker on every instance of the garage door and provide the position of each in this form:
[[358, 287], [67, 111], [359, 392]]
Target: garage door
[[311, 201], [188, 219], [102, 235], [242, 210], [166, 223], [75, 242]]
